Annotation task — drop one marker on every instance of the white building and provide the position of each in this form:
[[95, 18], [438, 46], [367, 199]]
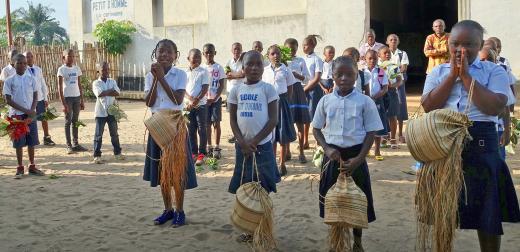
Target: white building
[[342, 23]]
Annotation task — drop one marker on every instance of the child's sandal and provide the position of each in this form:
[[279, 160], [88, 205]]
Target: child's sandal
[[35, 171], [393, 144], [379, 158], [179, 220], [165, 216]]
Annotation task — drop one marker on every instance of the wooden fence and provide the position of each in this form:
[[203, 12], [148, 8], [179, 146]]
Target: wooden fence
[[49, 58]]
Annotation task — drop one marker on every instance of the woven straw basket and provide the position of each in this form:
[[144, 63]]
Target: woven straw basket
[[164, 126], [431, 136], [248, 210], [346, 203]]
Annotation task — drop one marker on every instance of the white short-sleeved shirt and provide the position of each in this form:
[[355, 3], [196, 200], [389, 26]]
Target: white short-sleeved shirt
[[280, 78], [176, 79], [327, 70], [197, 78], [236, 66], [399, 57], [21, 88], [70, 80], [216, 73], [41, 87], [314, 65], [359, 83], [488, 74], [377, 80], [7, 72], [297, 64], [102, 103], [252, 107], [345, 120]]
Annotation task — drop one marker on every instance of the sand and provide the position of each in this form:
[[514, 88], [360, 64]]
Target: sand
[[109, 207]]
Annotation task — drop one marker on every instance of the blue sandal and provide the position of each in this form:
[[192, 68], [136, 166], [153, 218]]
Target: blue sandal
[[165, 216], [179, 220]]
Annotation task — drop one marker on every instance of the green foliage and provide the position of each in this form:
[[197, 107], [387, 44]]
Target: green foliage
[[79, 124], [115, 35], [86, 86], [285, 53]]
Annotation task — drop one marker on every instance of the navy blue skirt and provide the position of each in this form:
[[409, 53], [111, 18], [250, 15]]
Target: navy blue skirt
[[361, 177], [314, 97], [267, 170], [380, 104], [299, 104], [392, 103], [491, 197], [151, 165], [284, 132], [403, 106]]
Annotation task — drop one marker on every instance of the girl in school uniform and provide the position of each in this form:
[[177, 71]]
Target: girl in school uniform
[[378, 88], [345, 124], [312, 88], [282, 79], [253, 116], [489, 196], [299, 103], [165, 87]]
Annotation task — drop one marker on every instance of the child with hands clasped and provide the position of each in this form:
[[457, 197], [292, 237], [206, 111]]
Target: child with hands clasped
[[345, 124], [253, 109], [21, 95]]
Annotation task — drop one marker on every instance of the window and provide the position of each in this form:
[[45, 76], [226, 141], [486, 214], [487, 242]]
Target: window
[[237, 8], [158, 13]]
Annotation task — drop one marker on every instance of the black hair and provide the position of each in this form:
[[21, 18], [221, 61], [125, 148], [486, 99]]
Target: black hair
[[67, 51], [17, 57], [272, 47], [497, 41], [99, 65], [491, 43], [236, 44], [291, 41], [13, 53], [353, 51], [383, 48], [249, 54], [344, 60], [313, 39], [370, 51], [470, 24], [328, 48], [194, 50], [258, 42], [209, 46], [164, 41], [492, 53]]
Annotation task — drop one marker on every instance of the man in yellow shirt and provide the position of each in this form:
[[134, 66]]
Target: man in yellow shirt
[[436, 46]]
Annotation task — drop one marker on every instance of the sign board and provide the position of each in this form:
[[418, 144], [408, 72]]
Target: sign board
[[111, 10]]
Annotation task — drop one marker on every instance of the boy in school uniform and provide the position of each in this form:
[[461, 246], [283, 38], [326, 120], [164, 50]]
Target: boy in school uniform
[[43, 95], [345, 124], [214, 101], [71, 97], [21, 95], [259, 47], [362, 84], [105, 89], [9, 70], [234, 73], [326, 81], [196, 92]]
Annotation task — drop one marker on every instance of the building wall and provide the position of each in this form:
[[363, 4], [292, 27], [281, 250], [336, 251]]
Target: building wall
[[193, 23], [500, 18]]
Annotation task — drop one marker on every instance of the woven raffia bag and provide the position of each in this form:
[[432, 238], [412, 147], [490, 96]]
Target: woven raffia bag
[[345, 208], [253, 211], [437, 140]]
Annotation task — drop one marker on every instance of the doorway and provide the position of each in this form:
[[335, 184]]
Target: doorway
[[412, 21]]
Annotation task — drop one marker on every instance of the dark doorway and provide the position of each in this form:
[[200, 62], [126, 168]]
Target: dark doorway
[[412, 21]]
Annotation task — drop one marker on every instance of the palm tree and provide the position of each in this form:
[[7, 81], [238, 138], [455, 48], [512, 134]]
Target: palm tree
[[40, 25]]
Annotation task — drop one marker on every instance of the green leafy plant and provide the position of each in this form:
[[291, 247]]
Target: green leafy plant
[[117, 112], [79, 124], [212, 164], [115, 35], [50, 114], [86, 86], [515, 135], [285, 53]]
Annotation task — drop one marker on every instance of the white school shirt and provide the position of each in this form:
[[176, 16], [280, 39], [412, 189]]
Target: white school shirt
[[216, 73], [399, 57], [327, 70], [197, 78], [280, 77], [252, 107], [488, 74], [314, 65], [21, 88], [297, 64], [236, 66], [376, 82], [358, 85], [7, 72], [41, 87], [70, 80], [345, 120], [102, 103], [176, 79]]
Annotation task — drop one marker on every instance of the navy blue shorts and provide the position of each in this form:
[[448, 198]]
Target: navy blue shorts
[[31, 139], [215, 111], [40, 109]]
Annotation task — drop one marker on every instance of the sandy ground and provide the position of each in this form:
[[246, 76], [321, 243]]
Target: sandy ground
[[109, 207]]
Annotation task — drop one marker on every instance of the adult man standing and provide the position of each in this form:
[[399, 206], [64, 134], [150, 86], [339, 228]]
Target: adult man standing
[[370, 44], [436, 46]]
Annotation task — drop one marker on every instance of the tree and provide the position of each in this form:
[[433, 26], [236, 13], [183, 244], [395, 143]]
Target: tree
[[115, 35], [38, 24]]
